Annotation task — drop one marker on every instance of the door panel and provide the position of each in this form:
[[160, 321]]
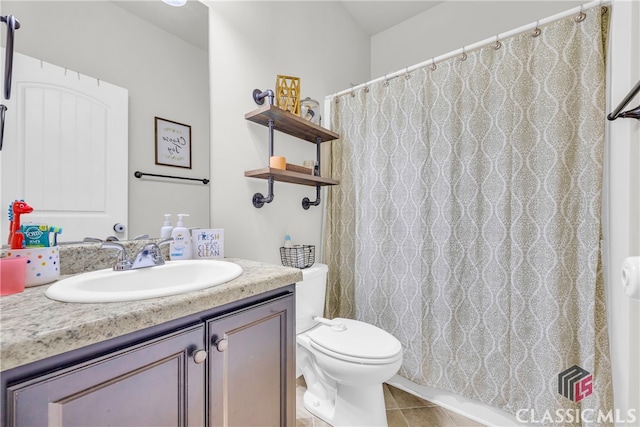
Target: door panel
[[65, 150], [154, 384], [251, 374]]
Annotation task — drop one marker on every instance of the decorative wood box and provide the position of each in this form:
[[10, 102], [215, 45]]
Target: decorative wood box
[[288, 94]]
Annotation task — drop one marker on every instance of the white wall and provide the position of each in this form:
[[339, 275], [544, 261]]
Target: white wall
[[450, 26], [454, 24], [250, 44], [165, 76]]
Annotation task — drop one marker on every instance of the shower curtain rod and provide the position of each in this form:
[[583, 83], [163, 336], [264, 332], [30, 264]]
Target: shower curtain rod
[[478, 45], [633, 113]]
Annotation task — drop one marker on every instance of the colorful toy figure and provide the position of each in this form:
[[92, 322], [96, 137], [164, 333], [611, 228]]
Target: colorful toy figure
[[17, 208]]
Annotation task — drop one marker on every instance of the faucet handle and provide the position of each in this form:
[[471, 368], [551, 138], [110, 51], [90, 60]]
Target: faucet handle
[[154, 250], [158, 249], [122, 261], [92, 240]]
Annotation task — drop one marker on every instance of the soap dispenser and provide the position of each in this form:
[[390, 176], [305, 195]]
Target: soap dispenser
[[180, 247], [165, 231]]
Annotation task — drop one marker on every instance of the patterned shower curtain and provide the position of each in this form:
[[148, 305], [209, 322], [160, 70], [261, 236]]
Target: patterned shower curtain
[[468, 221]]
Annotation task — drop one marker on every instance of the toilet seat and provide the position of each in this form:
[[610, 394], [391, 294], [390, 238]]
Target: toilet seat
[[359, 342]]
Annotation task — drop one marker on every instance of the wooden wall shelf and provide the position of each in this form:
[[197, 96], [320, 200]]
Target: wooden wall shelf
[[283, 121], [290, 124], [290, 176]]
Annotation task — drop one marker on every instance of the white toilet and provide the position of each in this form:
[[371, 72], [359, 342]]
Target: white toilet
[[344, 361]]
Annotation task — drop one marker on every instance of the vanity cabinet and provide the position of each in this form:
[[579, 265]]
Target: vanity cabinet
[[155, 383], [252, 367], [233, 365]]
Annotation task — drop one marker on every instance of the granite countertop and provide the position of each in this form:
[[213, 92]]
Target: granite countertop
[[33, 327]]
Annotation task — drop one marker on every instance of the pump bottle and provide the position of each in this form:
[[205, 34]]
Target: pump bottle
[[165, 231], [180, 247]]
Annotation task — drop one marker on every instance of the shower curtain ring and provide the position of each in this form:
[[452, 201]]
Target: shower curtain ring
[[536, 31], [433, 64], [603, 9], [581, 16], [386, 81], [407, 75], [366, 89], [497, 45], [463, 56]]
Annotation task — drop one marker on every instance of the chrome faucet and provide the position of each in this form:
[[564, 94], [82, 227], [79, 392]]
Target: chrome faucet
[[150, 255]]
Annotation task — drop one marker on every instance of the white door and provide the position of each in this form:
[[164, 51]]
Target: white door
[[65, 150]]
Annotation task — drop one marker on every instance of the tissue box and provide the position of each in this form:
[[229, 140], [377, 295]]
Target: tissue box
[[35, 235], [208, 243]]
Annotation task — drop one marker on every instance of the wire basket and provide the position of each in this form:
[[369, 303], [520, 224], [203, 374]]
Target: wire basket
[[299, 256]]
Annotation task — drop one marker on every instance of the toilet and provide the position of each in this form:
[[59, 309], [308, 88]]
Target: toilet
[[344, 361]]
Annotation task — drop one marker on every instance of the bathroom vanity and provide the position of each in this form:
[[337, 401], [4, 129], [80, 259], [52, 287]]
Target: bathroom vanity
[[221, 356]]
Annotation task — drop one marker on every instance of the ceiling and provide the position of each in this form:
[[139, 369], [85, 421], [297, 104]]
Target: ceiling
[[377, 16], [190, 22]]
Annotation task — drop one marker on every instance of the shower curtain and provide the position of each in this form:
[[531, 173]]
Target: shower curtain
[[467, 220]]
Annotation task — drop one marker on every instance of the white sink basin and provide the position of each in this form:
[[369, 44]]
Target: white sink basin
[[172, 278]]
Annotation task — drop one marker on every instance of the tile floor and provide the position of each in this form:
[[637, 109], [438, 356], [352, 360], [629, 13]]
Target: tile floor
[[403, 410]]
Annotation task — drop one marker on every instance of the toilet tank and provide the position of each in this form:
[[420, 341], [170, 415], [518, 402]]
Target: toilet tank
[[310, 294]]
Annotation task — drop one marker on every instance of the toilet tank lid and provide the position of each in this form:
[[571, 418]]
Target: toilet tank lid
[[313, 271]]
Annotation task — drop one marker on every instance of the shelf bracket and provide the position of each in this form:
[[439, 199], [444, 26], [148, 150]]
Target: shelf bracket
[[306, 203], [259, 96], [259, 200]]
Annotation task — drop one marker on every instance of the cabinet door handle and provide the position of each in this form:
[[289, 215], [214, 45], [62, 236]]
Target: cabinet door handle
[[222, 344], [199, 356]]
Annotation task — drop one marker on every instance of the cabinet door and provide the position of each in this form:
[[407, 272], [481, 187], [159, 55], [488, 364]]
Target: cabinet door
[[252, 366], [156, 383]]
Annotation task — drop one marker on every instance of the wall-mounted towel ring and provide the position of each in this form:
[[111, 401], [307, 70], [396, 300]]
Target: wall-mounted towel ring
[[12, 25], [629, 114]]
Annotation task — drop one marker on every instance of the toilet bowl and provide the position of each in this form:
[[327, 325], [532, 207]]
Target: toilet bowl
[[344, 361]]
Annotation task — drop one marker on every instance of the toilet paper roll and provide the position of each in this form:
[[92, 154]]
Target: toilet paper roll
[[278, 162], [631, 276]]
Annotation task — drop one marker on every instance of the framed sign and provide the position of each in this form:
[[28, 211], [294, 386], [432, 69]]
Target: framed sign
[[173, 143]]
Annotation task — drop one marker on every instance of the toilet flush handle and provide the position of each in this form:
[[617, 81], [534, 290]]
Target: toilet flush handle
[[335, 325]]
